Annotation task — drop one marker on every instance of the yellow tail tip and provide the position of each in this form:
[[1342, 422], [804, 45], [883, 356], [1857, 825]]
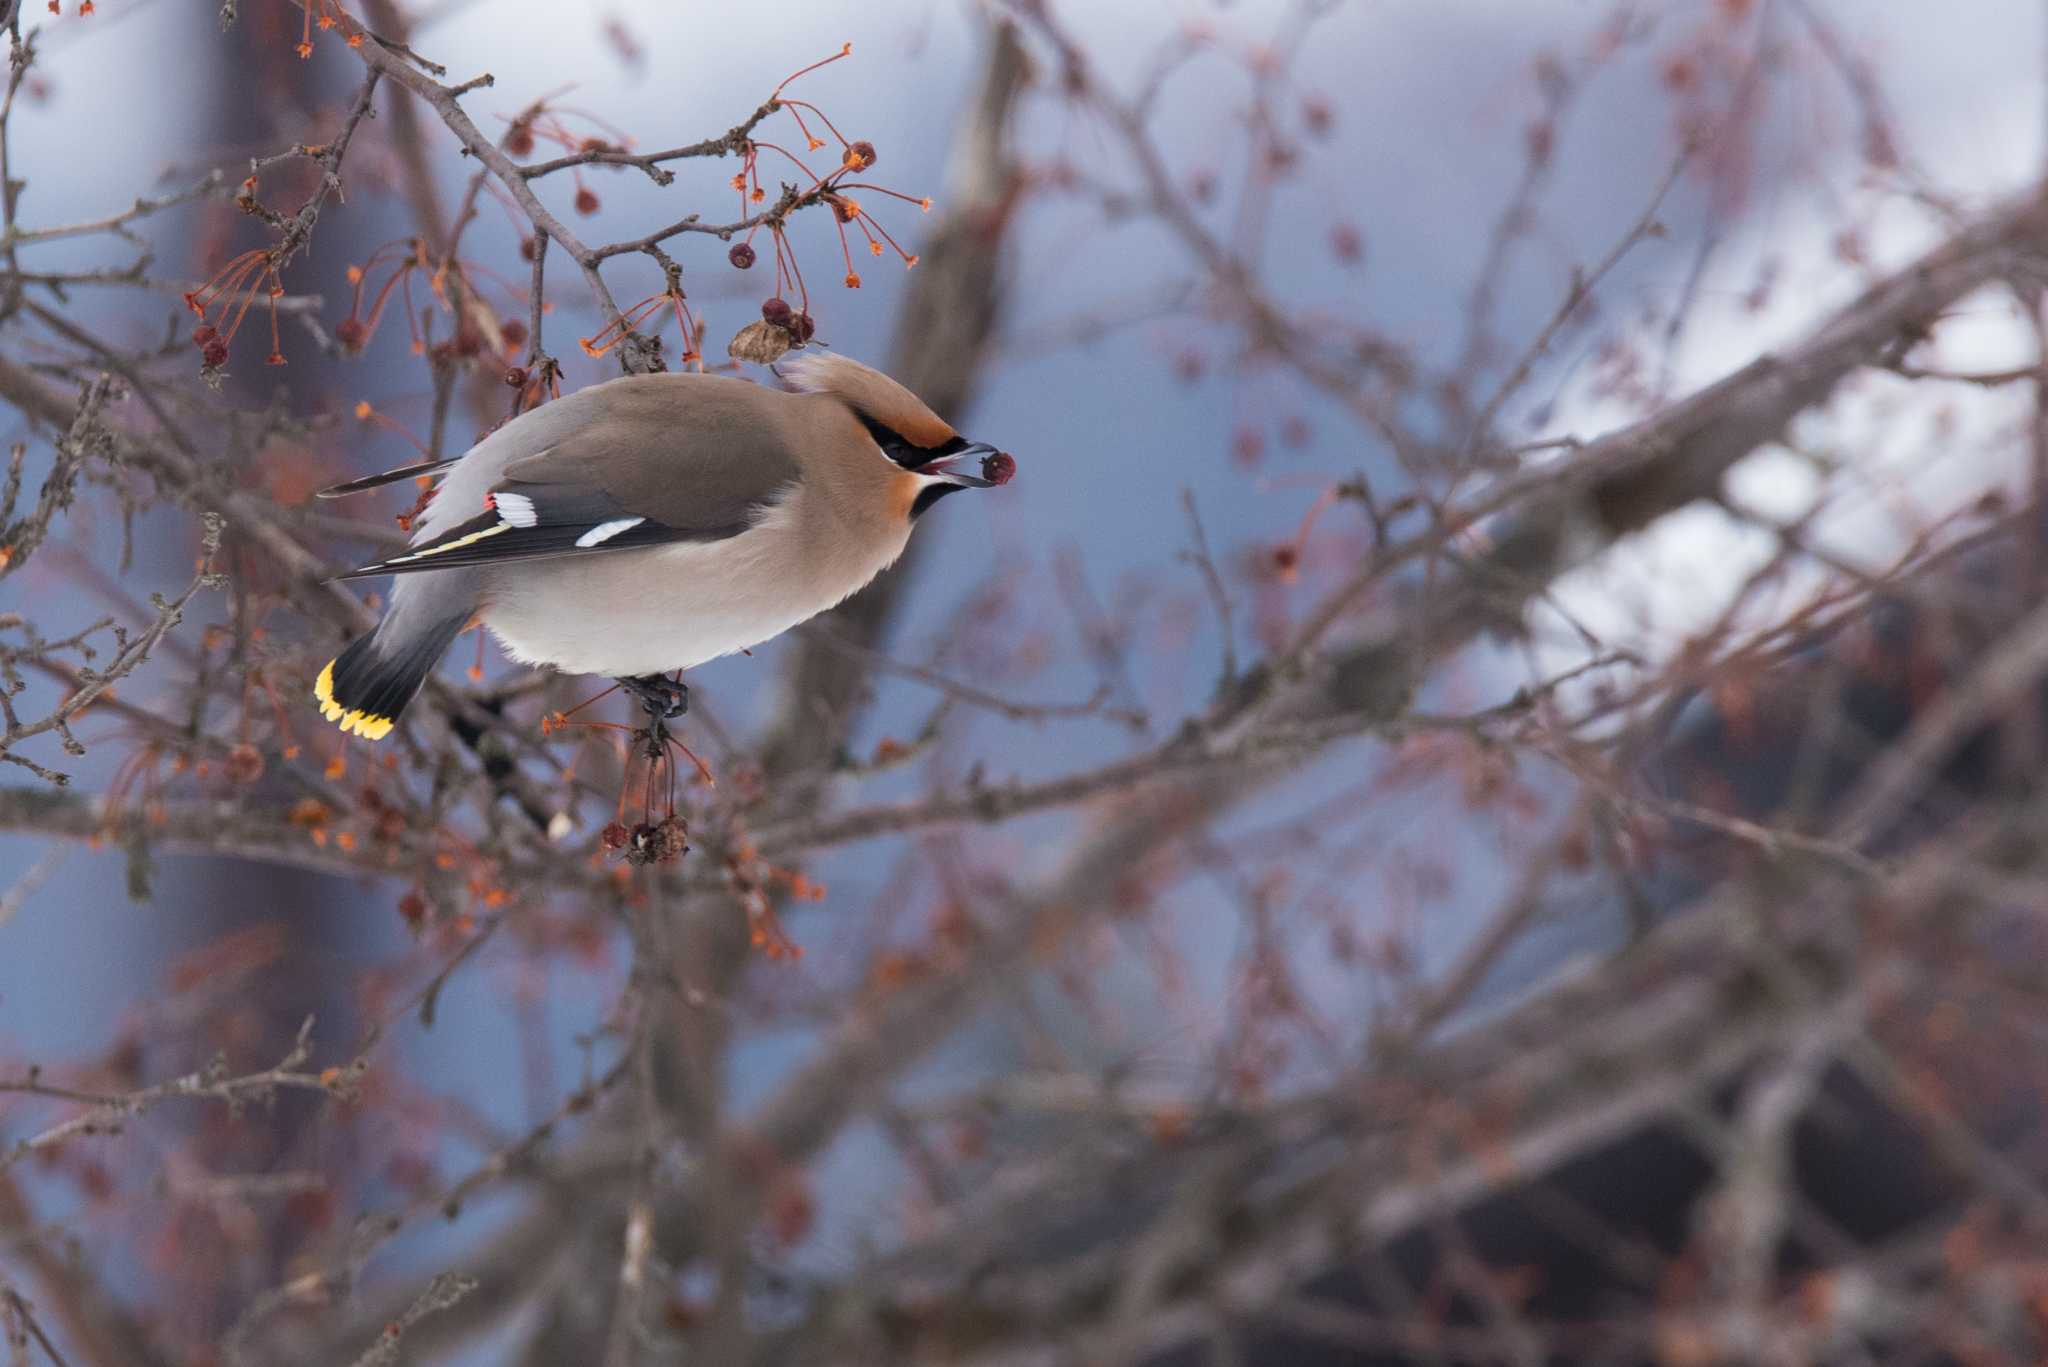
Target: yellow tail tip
[[351, 720]]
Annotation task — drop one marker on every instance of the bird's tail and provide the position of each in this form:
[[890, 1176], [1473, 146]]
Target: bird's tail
[[364, 688]]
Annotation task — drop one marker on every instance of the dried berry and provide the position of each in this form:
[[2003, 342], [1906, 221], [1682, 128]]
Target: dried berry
[[213, 353], [519, 140], [586, 201], [512, 331], [413, 908], [351, 333], [528, 249], [741, 256], [776, 311], [516, 377], [999, 467], [613, 837], [858, 156], [658, 842], [671, 838]]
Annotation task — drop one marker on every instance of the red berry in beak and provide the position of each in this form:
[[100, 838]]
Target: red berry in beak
[[999, 468]]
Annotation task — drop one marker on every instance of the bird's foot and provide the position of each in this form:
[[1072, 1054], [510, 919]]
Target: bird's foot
[[661, 696], [663, 699]]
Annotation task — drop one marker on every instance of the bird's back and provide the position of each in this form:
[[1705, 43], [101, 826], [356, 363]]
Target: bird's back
[[720, 438]]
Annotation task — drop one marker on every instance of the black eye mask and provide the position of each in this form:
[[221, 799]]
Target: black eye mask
[[906, 453]]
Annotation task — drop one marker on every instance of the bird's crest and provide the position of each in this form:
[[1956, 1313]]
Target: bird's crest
[[870, 394]]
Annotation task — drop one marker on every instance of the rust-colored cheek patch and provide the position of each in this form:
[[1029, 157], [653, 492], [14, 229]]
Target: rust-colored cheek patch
[[903, 491]]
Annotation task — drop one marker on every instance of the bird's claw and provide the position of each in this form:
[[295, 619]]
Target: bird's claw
[[661, 697]]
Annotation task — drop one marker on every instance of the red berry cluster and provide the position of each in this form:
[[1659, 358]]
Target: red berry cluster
[[552, 123], [830, 189], [452, 286], [650, 842], [628, 322], [776, 312], [225, 300], [399, 260]]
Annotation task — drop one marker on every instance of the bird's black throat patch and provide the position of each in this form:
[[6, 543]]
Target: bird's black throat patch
[[930, 494]]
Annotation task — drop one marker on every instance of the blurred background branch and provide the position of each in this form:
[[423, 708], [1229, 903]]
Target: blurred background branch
[[1477, 800]]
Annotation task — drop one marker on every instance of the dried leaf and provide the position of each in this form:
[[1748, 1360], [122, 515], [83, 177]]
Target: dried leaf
[[759, 342]]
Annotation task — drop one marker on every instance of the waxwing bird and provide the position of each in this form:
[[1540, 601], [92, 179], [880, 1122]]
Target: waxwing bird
[[651, 523]]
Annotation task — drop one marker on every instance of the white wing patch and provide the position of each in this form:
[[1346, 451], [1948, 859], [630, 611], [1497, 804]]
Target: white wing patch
[[604, 531], [516, 509]]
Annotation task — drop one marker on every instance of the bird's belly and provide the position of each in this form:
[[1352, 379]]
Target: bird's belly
[[651, 611]]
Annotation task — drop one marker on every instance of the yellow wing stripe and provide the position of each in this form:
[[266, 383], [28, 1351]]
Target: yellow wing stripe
[[456, 544], [365, 724]]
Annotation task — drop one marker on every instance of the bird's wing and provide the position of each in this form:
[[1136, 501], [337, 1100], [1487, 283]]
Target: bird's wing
[[650, 471], [384, 477]]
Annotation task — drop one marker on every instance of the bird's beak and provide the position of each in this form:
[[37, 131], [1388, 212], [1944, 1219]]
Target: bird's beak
[[997, 467]]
